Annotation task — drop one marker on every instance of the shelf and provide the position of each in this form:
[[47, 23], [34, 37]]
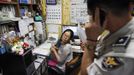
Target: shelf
[[25, 4], [4, 2], [30, 5], [6, 21], [35, 4]]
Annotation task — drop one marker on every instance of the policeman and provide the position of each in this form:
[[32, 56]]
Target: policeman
[[110, 39]]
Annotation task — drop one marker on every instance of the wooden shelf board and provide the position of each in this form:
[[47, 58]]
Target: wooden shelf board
[[4, 2], [6, 21], [35, 4], [25, 4]]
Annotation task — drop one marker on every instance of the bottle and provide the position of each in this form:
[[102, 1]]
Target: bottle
[[2, 48], [37, 18]]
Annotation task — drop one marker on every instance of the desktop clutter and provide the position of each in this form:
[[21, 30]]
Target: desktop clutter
[[10, 42], [15, 55], [17, 58]]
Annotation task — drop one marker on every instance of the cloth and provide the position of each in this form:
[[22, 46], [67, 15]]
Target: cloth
[[52, 63], [127, 58], [65, 53]]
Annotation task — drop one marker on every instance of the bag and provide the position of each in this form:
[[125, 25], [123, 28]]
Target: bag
[[52, 63]]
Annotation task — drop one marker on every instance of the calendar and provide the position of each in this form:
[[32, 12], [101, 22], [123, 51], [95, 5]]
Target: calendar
[[79, 11], [54, 14]]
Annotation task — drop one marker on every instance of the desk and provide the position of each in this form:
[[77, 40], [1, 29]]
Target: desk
[[43, 49], [77, 49], [42, 52]]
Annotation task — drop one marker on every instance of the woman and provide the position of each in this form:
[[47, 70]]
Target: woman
[[62, 51]]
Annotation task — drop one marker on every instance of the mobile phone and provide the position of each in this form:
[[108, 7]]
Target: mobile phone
[[102, 17]]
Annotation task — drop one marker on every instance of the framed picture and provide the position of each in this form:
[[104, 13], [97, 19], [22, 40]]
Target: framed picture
[[51, 2]]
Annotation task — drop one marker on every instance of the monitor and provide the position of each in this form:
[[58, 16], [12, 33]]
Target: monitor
[[73, 28]]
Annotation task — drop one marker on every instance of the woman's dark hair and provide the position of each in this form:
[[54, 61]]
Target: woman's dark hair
[[71, 37], [68, 30]]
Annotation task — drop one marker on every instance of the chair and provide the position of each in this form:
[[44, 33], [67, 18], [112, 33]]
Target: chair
[[73, 66]]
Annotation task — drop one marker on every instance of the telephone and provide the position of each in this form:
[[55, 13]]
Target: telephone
[[103, 35], [102, 17], [100, 45]]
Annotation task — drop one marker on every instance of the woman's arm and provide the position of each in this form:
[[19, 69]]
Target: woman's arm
[[65, 55], [55, 54]]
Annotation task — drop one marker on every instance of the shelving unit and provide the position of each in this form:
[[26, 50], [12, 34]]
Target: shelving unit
[[32, 6], [1, 2], [11, 14], [12, 10]]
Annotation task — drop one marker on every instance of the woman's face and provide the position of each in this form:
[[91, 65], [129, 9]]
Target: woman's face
[[66, 37]]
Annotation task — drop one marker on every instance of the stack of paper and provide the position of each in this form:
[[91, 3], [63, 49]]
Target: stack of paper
[[81, 34]]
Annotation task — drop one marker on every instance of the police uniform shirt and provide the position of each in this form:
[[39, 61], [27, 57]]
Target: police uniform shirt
[[112, 62]]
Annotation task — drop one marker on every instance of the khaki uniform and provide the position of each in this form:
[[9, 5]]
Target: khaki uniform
[[115, 60]]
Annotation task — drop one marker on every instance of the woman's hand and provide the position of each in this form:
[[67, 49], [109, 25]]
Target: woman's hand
[[54, 48], [54, 51]]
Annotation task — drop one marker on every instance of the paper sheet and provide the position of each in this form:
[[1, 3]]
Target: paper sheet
[[39, 27], [76, 47], [45, 46], [52, 28], [78, 11], [23, 26], [41, 51], [81, 34]]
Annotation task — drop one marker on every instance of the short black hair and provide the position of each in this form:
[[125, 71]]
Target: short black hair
[[117, 7]]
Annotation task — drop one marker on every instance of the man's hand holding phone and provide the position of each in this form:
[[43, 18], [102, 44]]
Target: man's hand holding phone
[[94, 29]]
